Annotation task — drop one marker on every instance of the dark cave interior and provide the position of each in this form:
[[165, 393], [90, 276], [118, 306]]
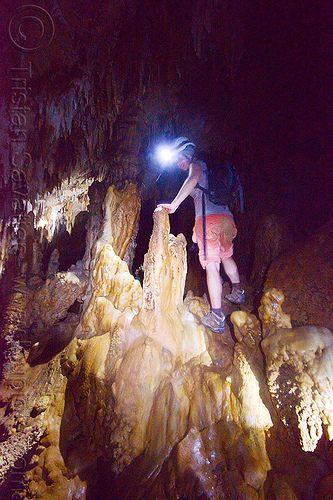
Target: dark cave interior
[[87, 92]]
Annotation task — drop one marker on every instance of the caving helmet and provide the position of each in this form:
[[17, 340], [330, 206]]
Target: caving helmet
[[183, 146]]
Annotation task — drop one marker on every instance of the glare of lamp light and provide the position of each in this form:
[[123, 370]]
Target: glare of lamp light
[[165, 154]]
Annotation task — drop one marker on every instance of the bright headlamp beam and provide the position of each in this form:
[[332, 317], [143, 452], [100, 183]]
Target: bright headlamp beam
[[165, 155]]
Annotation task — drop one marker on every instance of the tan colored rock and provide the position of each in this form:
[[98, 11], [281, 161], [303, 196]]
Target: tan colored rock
[[270, 312], [151, 404], [251, 412], [62, 205], [196, 466], [167, 320], [114, 290], [300, 378], [136, 384], [51, 301], [121, 213], [49, 479], [198, 306], [247, 328]]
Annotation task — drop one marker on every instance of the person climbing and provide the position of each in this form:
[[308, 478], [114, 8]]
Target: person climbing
[[214, 237]]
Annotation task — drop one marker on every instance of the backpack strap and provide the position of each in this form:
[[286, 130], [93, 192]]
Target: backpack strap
[[204, 190], [203, 201], [204, 222]]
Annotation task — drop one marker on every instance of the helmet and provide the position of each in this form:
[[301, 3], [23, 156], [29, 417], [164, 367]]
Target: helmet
[[183, 146]]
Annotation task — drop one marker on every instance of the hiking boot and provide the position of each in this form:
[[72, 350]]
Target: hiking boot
[[214, 321], [237, 295]]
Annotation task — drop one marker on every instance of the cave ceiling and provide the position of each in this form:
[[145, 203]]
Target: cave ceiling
[[89, 88]]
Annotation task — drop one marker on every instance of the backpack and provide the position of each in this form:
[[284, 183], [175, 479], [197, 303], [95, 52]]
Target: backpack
[[225, 187]]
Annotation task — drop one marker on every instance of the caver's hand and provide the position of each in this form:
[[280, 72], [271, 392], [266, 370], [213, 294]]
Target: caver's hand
[[194, 176], [169, 207]]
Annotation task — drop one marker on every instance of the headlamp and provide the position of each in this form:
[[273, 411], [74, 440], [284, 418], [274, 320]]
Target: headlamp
[[166, 154]]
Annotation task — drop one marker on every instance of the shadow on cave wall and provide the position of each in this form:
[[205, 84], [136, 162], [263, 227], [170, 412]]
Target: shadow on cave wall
[[71, 246]]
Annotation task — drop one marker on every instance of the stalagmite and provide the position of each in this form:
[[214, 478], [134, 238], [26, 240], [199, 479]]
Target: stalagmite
[[271, 313], [132, 384]]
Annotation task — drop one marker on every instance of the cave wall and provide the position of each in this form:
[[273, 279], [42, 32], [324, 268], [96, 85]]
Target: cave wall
[[305, 275], [107, 382]]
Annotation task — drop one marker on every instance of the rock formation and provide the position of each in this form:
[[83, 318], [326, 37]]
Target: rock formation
[[110, 387], [272, 238], [131, 398], [305, 276]]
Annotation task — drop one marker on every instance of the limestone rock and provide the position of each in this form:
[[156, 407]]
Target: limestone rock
[[121, 213], [51, 301], [305, 276], [300, 378], [271, 313], [272, 238], [145, 403]]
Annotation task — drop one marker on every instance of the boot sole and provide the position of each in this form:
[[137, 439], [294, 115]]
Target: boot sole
[[215, 330]]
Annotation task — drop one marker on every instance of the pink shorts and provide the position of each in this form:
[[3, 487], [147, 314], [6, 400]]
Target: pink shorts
[[220, 232]]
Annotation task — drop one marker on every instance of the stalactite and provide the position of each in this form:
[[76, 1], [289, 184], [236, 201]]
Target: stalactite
[[6, 231], [61, 206]]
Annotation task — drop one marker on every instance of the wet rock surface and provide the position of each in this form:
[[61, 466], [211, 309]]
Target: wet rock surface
[[137, 400]]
